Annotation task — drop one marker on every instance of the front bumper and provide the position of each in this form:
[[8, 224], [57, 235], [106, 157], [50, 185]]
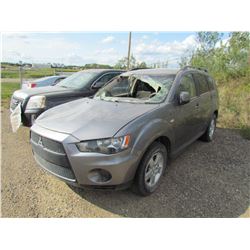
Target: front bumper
[[75, 167], [29, 116]]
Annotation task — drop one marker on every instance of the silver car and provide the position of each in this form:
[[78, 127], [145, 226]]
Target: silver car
[[43, 82], [126, 134]]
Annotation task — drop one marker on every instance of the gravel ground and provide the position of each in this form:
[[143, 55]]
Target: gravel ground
[[207, 180]]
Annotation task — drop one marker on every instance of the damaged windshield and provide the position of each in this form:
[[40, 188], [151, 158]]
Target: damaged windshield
[[137, 88]]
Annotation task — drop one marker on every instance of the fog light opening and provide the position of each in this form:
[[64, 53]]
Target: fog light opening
[[99, 176]]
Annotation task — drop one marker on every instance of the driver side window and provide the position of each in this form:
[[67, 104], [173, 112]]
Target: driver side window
[[104, 79], [187, 84]]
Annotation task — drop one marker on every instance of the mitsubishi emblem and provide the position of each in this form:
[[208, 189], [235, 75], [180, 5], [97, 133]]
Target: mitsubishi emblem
[[40, 141]]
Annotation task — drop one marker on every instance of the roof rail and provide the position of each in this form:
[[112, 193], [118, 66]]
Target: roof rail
[[191, 67]]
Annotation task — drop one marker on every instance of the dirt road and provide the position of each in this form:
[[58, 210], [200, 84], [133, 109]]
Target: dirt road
[[207, 180]]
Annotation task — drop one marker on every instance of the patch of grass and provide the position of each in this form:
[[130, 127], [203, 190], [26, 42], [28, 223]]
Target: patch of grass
[[7, 90], [33, 73], [234, 110], [9, 74]]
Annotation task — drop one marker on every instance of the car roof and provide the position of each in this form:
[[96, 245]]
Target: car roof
[[102, 70], [157, 71]]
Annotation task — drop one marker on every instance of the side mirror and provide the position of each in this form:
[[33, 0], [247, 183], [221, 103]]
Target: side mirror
[[184, 98]]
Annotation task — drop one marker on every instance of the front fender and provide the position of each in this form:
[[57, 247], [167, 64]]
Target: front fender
[[150, 132], [145, 129]]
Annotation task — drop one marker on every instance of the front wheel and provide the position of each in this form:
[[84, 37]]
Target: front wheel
[[151, 169], [209, 134]]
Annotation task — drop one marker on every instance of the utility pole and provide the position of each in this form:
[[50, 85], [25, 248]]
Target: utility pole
[[129, 47], [21, 73]]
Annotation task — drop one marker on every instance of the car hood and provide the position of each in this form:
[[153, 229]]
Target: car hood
[[88, 119], [23, 93]]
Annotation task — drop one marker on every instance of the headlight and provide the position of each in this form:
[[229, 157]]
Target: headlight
[[105, 146], [36, 102]]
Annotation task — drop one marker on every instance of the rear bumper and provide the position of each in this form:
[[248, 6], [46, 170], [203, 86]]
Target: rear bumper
[[121, 166]]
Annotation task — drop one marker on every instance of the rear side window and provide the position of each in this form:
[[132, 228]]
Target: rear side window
[[202, 82], [210, 82], [187, 84]]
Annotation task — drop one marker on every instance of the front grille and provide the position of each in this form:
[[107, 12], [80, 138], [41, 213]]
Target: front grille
[[14, 102], [49, 150], [63, 173], [49, 144]]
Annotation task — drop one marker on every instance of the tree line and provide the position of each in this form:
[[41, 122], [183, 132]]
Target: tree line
[[224, 59]]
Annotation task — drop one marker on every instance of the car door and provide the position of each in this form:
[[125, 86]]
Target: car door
[[186, 115], [204, 100]]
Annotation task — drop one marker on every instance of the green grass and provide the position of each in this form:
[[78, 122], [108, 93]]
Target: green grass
[[32, 73], [234, 109], [7, 90], [9, 74]]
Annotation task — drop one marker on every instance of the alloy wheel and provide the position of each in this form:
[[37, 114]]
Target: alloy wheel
[[154, 170], [211, 128]]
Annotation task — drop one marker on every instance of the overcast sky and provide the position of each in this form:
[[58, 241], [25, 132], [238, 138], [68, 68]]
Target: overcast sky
[[105, 48]]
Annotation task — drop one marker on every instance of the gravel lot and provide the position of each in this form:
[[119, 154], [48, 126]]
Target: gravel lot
[[207, 180]]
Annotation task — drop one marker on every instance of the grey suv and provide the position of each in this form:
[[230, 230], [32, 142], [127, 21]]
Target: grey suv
[[129, 130]]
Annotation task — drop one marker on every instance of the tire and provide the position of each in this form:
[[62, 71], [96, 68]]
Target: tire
[[152, 166], [208, 136]]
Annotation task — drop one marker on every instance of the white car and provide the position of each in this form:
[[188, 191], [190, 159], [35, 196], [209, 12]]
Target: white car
[[43, 82]]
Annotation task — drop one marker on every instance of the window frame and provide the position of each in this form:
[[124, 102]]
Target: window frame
[[107, 73], [198, 83], [212, 84], [195, 85]]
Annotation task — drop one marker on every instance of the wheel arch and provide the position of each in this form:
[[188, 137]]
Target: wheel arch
[[216, 113], [165, 141]]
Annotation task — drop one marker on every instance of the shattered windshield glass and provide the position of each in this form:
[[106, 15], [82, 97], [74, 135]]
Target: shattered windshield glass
[[137, 88]]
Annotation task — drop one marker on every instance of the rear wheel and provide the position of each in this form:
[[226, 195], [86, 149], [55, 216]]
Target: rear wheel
[[151, 169], [209, 134]]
